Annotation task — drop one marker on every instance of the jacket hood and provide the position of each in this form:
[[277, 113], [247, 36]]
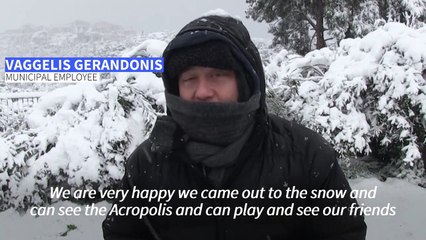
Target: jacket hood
[[229, 30]]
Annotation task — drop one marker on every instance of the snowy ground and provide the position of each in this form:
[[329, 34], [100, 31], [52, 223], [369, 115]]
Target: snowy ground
[[408, 224], [409, 200]]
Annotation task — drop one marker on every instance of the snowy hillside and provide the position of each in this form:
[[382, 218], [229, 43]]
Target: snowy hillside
[[78, 38], [75, 39]]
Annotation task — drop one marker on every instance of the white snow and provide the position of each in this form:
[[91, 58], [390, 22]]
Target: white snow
[[16, 227], [218, 12], [356, 93], [148, 48], [416, 7], [22, 95], [409, 199]]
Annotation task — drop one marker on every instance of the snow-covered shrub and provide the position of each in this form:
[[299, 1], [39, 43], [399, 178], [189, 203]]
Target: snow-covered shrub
[[15, 151], [79, 136], [371, 100], [292, 82], [4, 112], [12, 118]]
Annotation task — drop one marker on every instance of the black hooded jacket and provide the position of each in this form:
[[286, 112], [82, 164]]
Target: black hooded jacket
[[279, 155]]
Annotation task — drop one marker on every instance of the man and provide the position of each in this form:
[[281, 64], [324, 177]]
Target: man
[[218, 135]]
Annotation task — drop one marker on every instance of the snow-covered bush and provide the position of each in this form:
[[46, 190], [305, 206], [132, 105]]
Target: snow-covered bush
[[12, 117], [371, 100], [4, 112], [292, 82], [79, 136]]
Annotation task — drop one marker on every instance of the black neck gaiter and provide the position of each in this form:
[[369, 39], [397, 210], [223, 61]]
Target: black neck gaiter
[[213, 123], [217, 131]]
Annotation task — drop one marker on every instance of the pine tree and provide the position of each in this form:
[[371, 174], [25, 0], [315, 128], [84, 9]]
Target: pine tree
[[292, 20], [295, 24], [403, 11]]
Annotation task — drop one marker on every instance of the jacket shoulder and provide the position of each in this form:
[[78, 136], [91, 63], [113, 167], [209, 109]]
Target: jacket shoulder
[[140, 162], [308, 147], [301, 136]]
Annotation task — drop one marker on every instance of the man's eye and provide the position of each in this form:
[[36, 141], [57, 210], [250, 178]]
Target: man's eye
[[189, 79], [219, 74]]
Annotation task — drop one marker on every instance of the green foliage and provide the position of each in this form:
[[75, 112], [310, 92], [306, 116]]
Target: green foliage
[[292, 21], [289, 21], [70, 227], [296, 24]]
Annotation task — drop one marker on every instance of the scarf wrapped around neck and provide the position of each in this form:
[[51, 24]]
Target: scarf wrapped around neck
[[216, 132]]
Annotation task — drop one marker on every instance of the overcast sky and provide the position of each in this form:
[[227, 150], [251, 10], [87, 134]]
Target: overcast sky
[[147, 15]]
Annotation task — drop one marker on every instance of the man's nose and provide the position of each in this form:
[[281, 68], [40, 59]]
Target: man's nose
[[204, 92]]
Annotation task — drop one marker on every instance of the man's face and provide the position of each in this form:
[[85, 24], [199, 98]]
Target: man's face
[[208, 85]]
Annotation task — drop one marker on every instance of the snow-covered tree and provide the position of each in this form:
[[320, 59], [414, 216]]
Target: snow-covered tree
[[295, 24], [305, 25], [371, 99], [291, 20], [79, 136]]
